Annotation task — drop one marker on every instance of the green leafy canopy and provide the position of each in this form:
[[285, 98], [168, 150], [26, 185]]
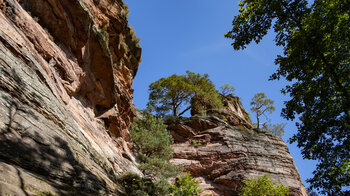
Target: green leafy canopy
[[227, 89], [263, 186], [175, 94], [316, 60], [185, 186]]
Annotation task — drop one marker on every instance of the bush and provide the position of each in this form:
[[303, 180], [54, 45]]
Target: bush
[[276, 129], [263, 186], [151, 137], [134, 185], [185, 186], [153, 144]]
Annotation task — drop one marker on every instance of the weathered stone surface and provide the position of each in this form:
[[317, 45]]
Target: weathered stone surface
[[223, 154], [234, 113], [66, 69]]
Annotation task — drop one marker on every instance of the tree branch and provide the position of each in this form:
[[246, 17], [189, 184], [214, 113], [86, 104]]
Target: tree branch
[[189, 107]]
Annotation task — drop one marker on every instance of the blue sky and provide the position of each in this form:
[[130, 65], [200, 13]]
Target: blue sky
[[180, 35]]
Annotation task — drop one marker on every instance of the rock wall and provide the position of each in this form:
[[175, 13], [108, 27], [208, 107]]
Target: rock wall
[[222, 150], [66, 69]]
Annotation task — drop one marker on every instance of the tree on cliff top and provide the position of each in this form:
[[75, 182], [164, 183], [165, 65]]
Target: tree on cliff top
[[175, 93], [261, 105], [316, 59], [227, 89]]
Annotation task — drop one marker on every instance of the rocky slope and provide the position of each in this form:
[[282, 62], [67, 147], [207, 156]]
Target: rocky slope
[[66, 69], [222, 149]]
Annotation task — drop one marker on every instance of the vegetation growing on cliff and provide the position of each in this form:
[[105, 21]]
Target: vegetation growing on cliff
[[261, 105], [178, 94], [185, 186], [227, 89], [316, 59], [153, 145], [263, 186], [134, 185], [274, 129]]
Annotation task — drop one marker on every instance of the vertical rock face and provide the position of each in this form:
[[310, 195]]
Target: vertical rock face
[[66, 69], [222, 150]]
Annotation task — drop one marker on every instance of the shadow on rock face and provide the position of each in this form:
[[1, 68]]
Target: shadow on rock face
[[28, 144]]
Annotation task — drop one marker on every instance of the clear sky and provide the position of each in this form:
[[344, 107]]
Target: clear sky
[[180, 35]]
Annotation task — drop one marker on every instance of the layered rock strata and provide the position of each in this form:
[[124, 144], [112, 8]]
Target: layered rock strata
[[66, 69], [222, 150]]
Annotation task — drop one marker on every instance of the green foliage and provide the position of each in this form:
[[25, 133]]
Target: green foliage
[[226, 89], [124, 8], [185, 186], [263, 186], [36, 191], [276, 129], [134, 185], [260, 105], [170, 94], [206, 97], [316, 59], [158, 168], [242, 128], [103, 38], [132, 41], [151, 137], [176, 92], [310, 192], [196, 143], [134, 38], [153, 144]]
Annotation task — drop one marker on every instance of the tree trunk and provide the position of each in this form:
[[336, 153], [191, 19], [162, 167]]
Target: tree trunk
[[174, 111]]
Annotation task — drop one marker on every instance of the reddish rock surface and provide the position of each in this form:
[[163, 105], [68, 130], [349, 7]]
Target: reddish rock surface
[[222, 153], [66, 70]]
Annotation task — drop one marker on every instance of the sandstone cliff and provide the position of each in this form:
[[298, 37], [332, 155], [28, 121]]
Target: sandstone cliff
[[66, 69], [222, 149]]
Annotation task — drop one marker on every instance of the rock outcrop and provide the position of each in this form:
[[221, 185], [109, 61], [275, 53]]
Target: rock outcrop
[[222, 150], [66, 69]]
